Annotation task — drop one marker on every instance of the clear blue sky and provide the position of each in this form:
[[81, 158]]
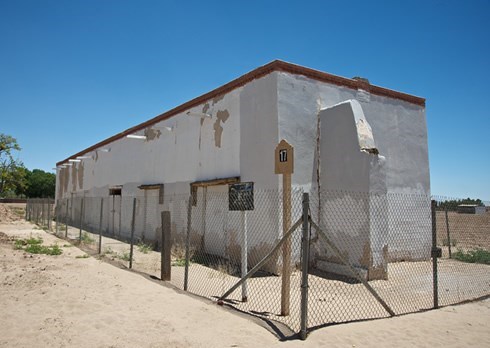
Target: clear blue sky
[[73, 73]]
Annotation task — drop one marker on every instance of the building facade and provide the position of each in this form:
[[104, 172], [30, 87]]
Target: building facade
[[229, 135]]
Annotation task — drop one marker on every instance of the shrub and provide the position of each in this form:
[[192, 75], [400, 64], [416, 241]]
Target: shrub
[[478, 255]]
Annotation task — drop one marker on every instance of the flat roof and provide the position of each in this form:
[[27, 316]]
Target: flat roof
[[276, 65]]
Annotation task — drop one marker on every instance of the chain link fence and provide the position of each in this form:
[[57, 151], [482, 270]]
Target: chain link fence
[[304, 261]]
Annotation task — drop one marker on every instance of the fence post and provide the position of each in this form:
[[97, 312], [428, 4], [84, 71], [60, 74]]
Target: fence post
[[27, 205], [187, 243], [66, 219], [434, 255], [100, 224], [41, 210], [286, 250], [166, 267], [81, 220], [132, 234], [244, 255], [49, 215], [448, 235], [37, 211], [45, 212], [57, 215], [305, 259]]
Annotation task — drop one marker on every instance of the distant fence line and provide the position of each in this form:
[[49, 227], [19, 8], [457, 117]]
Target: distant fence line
[[13, 200], [331, 257]]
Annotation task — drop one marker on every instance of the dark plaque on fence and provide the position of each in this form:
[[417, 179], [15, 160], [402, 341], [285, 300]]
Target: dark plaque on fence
[[241, 196]]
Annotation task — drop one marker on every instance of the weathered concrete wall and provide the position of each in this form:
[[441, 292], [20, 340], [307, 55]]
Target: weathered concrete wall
[[400, 131], [398, 127], [239, 140], [232, 143], [354, 180]]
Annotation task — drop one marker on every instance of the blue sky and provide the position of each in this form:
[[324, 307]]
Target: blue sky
[[73, 73]]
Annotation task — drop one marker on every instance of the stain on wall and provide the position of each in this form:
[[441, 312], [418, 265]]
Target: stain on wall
[[80, 173], [233, 249], [205, 108], [221, 117], [66, 177], [152, 133], [200, 134], [62, 182], [258, 252], [74, 177], [218, 98]]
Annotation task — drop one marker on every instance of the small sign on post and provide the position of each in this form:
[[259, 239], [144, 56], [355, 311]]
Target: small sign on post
[[284, 158], [284, 164], [241, 198]]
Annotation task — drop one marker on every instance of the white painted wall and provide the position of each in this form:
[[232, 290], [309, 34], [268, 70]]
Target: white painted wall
[[278, 105], [400, 131], [398, 127]]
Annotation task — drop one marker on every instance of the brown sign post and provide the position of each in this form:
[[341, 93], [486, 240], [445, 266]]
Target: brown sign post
[[284, 164]]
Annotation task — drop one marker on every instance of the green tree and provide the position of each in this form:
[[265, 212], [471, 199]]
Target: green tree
[[40, 184], [12, 170]]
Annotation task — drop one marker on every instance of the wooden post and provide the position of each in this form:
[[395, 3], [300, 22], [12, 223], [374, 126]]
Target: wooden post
[[166, 266], [113, 216], [66, 219], [100, 224], [286, 248], [49, 215], [57, 215], [42, 212], [132, 233], [187, 243], [81, 220], [284, 164]]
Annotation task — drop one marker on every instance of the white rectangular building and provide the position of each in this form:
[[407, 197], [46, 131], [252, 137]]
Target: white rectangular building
[[229, 135]]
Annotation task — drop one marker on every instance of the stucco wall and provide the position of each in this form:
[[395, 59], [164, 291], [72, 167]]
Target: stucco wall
[[399, 129], [239, 140], [232, 143]]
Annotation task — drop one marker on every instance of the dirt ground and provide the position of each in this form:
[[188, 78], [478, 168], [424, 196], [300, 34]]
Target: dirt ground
[[73, 300], [409, 287]]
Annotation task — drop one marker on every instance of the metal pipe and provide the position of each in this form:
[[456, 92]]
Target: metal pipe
[[262, 262], [305, 259]]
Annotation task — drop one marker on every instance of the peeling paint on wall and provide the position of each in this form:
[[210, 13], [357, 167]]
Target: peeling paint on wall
[[218, 98], [152, 133], [221, 117], [205, 108]]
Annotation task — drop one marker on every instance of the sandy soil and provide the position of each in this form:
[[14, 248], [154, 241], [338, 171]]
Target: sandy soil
[[409, 287], [65, 301]]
